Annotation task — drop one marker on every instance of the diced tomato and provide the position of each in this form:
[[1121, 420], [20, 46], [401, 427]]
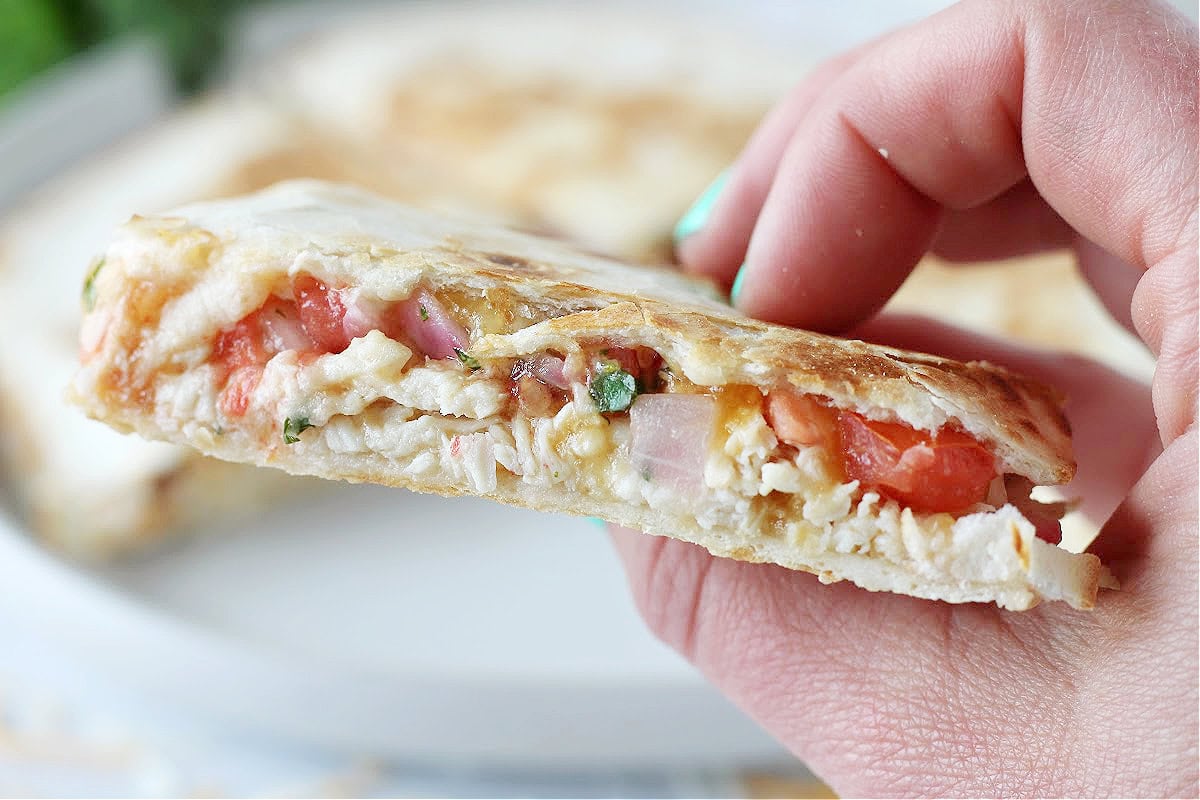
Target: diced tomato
[[536, 398], [624, 356], [800, 419], [235, 398], [321, 313], [947, 472], [240, 346], [643, 363], [240, 352]]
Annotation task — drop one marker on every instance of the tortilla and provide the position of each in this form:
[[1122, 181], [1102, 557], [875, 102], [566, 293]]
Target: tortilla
[[637, 132], [325, 331], [83, 488]]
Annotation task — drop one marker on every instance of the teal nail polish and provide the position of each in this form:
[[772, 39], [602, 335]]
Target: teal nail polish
[[696, 216], [599, 523], [737, 284]]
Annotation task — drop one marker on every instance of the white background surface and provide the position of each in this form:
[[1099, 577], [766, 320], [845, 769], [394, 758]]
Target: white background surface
[[478, 645]]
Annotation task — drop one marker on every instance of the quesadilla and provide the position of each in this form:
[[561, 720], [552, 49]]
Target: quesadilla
[[575, 139], [81, 487], [325, 331]]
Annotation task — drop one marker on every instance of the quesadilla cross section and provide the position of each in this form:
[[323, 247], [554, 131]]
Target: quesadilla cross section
[[324, 331]]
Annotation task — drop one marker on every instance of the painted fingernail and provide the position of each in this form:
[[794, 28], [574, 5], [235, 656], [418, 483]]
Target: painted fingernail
[[736, 289], [599, 523], [696, 216]]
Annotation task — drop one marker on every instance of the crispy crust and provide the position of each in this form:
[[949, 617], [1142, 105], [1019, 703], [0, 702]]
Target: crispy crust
[[355, 238], [80, 487], [171, 282]]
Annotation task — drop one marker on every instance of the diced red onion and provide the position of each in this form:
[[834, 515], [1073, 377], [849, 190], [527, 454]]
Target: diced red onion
[[549, 370], [575, 370], [670, 435], [435, 333]]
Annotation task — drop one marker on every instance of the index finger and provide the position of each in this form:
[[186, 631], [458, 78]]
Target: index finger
[[910, 130]]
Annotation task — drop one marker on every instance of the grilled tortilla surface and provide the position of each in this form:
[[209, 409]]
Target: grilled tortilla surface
[[324, 331]]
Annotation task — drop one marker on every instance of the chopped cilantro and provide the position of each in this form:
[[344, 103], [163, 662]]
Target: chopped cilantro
[[423, 311], [613, 389], [89, 286], [468, 361], [292, 428], [645, 473]]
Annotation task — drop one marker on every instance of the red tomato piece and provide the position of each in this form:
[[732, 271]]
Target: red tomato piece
[[240, 352], [321, 313], [643, 363], [947, 472], [235, 398], [800, 419], [239, 346]]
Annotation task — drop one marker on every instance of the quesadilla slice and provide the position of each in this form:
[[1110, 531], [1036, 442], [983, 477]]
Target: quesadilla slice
[[324, 331]]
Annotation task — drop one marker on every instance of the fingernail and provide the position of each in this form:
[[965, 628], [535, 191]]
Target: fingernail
[[736, 289], [599, 523], [695, 217]]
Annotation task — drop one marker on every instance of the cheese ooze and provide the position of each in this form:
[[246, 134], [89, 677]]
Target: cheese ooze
[[398, 379]]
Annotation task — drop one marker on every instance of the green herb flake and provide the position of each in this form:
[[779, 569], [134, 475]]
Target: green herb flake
[[646, 474], [468, 361], [89, 286], [613, 389], [423, 311], [292, 428]]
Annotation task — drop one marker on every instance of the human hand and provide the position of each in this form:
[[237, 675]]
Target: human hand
[[989, 130]]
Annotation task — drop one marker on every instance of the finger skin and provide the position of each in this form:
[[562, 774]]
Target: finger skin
[[1015, 223], [962, 122], [716, 251], [1094, 103]]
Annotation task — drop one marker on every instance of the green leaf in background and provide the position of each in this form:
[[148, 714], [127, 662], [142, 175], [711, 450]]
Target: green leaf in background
[[193, 31], [34, 36]]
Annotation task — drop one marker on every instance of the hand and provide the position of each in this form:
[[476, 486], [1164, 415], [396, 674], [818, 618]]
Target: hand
[[989, 130]]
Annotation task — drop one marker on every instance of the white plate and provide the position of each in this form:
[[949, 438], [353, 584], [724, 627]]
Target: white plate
[[381, 622]]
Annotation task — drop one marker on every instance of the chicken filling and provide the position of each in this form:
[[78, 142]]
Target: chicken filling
[[602, 400]]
